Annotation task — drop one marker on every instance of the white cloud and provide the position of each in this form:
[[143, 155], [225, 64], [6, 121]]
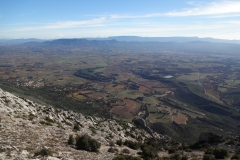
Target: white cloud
[[217, 9], [224, 30], [60, 35], [226, 8], [230, 22], [117, 16], [27, 14], [66, 24]]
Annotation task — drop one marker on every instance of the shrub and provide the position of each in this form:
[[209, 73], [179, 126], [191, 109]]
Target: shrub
[[76, 127], [119, 142], [171, 150], [131, 144], [184, 157], [221, 153], [93, 130], [59, 125], [231, 142], [188, 150], [176, 157], [125, 150], [126, 157], [112, 150], [49, 120], [200, 146], [43, 152], [67, 123], [31, 117], [139, 138], [208, 151], [208, 157], [71, 140], [236, 156], [147, 152], [45, 123], [111, 143], [85, 142]]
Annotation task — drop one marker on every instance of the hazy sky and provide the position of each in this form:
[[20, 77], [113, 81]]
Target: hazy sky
[[103, 18]]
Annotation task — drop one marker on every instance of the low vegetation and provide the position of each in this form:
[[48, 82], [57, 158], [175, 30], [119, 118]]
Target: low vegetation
[[70, 140], [43, 152], [87, 143], [132, 145], [126, 157]]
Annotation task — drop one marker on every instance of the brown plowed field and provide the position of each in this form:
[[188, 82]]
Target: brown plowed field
[[129, 110], [180, 118]]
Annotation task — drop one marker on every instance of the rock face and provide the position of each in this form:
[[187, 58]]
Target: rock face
[[209, 137], [26, 127]]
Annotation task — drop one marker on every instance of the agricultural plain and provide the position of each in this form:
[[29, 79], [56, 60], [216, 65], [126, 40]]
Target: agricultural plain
[[186, 89]]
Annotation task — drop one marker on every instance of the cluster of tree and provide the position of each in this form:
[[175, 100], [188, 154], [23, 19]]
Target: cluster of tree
[[147, 151], [131, 144], [85, 142]]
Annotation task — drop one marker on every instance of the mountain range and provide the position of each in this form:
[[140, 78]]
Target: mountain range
[[128, 39]]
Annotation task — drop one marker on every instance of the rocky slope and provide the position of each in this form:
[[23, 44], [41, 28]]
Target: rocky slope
[[27, 127]]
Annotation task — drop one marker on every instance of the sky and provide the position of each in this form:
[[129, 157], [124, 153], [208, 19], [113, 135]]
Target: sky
[[51, 19]]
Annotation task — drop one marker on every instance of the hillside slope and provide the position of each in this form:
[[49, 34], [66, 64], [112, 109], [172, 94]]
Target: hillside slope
[[27, 127]]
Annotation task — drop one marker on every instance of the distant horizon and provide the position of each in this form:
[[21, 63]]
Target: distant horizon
[[122, 36]]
